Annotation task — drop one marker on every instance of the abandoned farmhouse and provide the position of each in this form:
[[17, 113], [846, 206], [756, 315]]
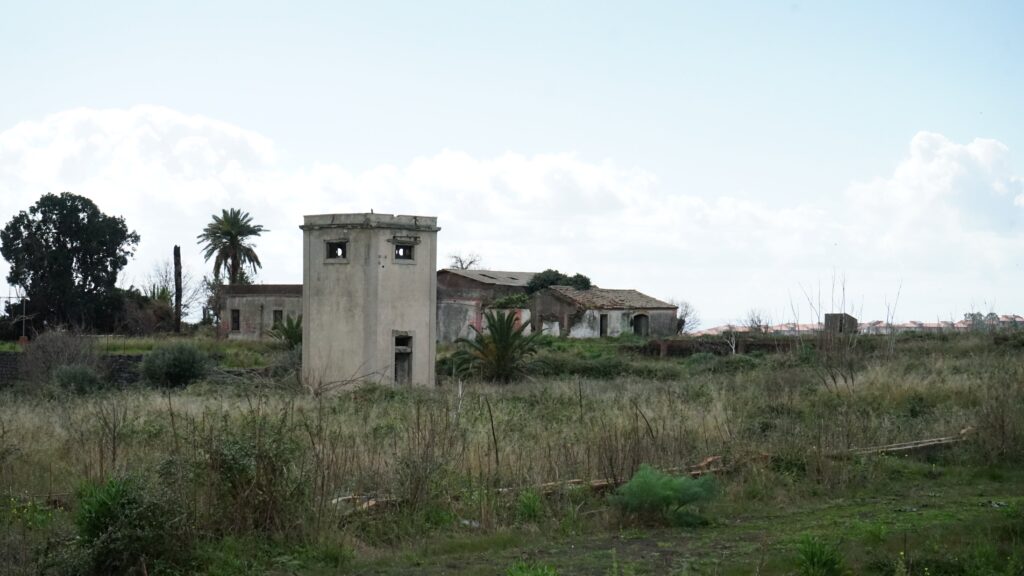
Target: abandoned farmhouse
[[600, 312], [374, 306], [464, 295]]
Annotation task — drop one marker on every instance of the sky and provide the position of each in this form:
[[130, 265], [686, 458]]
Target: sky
[[736, 155]]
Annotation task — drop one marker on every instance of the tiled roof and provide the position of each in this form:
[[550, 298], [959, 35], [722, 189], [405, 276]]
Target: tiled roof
[[608, 299], [501, 278], [262, 290]]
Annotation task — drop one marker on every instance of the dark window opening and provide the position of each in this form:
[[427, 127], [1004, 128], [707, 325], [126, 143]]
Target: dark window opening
[[604, 325], [337, 250], [278, 317], [236, 320], [403, 359], [403, 251]]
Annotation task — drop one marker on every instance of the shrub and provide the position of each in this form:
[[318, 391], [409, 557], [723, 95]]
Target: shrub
[[121, 527], [53, 349], [529, 506], [652, 496], [521, 568], [253, 466], [77, 378], [517, 300], [174, 365], [818, 558], [551, 277]]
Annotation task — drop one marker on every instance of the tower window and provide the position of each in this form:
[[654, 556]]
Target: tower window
[[403, 251], [337, 250]]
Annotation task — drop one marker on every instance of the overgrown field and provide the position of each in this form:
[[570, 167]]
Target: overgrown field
[[236, 476]]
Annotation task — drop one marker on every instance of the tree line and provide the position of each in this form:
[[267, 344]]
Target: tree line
[[66, 257]]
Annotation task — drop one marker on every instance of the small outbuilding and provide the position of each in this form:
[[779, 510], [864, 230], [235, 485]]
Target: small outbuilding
[[600, 312], [464, 295], [840, 323], [248, 312]]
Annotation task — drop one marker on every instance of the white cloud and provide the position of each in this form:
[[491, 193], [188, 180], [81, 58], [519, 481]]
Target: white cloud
[[947, 214]]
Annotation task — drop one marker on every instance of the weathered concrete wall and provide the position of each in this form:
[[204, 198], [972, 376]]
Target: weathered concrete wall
[[550, 328], [589, 324], [354, 307], [454, 318], [256, 314], [663, 323], [549, 313]]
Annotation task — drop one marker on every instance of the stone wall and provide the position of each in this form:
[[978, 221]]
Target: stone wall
[[8, 367], [122, 368]]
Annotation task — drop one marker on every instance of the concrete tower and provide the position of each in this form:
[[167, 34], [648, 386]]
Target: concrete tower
[[369, 298]]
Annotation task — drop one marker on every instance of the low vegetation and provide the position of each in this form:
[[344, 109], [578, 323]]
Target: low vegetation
[[174, 365], [693, 464]]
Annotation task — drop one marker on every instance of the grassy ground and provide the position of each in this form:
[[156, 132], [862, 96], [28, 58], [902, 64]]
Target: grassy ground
[[955, 519], [252, 470]]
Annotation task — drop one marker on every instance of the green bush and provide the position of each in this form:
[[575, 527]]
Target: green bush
[[254, 467], [77, 378], [735, 363], [529, 506], [655, 497], [174, 365], [518, 300], [122, 527], [521, 568], [816, 557]]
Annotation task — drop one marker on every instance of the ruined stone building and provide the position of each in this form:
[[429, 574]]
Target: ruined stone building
[[248, 312], [370, 298], [464, 295], [600, 312]]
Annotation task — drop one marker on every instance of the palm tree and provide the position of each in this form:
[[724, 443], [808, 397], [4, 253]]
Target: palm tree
[[288, 332], [502, 353], [225, 240]]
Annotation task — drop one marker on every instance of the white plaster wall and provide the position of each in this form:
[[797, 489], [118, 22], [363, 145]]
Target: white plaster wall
[[551, 328], [589, 324]]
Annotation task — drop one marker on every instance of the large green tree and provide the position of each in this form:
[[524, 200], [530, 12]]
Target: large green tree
[[226, 240], [66, 255]]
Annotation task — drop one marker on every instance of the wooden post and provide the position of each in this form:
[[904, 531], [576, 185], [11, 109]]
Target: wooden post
[[177, 289]]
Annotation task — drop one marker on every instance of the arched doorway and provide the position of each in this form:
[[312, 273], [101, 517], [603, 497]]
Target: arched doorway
[[641, 325]]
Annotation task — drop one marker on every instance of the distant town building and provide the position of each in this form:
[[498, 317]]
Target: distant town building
[[248, 312], [370, 298], [464, 295], [599, 312]]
